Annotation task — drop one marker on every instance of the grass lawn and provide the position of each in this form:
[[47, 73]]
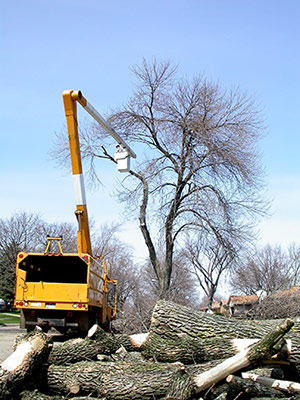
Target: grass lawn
[[10, 317]]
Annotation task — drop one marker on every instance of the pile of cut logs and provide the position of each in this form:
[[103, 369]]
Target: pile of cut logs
[[186, 354]]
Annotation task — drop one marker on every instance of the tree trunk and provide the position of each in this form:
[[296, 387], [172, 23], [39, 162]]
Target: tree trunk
[[250, 356], [97, 342], [36, 395], [179, 333], [16, 371], [119, 380], [140, 379]]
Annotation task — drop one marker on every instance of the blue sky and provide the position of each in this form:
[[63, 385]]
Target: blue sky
[[52, 45]]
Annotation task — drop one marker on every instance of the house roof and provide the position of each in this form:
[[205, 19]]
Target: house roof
[[242, 300], [215, 306], [293, 291]]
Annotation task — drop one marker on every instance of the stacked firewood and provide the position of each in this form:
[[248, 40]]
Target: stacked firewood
[[186, 354]]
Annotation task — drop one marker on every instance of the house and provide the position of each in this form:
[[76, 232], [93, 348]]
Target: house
[[215, 308], [238, 305], [235, 306]]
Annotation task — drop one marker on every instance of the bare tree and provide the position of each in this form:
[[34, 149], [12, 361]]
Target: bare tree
[[66, 230], [135, 313], [282, 304], [21, 232], [294, 263], [120, 258], [209, 260], [182, 290], [269, 269], [201, 170]]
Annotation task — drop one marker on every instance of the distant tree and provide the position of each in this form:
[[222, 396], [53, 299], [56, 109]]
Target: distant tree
[[209, 260], [120, 258], [65, 230], [281, 304], [201, 170], [27, 232], [269, 269], [294, 263], [135, 315], [21, 232]]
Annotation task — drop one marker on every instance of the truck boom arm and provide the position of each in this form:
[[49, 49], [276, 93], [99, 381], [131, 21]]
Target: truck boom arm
[[94, 113], [70, 98], [83, 233]]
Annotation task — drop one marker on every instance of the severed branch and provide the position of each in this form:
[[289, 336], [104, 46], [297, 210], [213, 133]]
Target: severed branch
[[251, 389], [285, 386]]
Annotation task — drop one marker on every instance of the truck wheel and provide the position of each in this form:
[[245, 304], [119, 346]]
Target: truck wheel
[[45, 328]]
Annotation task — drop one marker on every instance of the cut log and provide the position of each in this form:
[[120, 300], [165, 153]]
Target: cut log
[[238, 385], [251, 356], [140, 379], [272, 398], [293, 335], [97, 342], [16, 371], [285, 386], [179, 333], [181, 386], [101, 344], [273, 372], [36, 395], [118, 380]]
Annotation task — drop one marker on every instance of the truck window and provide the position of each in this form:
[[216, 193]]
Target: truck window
[[54, 269]]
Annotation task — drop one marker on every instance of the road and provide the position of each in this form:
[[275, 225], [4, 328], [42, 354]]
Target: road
[[7, 336]]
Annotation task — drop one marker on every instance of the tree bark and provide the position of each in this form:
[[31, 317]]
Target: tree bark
[[119, 380], [245, 386], [179, 333], [285, 386], [293, 335], [250, 356], [140, 379], [97, 342], [16, 371], [36, 395]]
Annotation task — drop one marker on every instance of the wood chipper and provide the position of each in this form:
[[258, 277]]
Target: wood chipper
[[69, 291]]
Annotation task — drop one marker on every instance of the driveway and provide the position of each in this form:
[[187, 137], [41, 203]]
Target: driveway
[[7, 336]]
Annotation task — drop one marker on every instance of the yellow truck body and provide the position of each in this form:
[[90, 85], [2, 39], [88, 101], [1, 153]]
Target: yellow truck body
[[63, 290]]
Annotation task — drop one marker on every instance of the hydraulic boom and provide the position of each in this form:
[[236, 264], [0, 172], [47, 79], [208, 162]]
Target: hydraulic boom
[[70, 98]]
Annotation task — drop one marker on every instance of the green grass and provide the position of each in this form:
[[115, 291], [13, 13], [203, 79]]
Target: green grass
[[9, 319]]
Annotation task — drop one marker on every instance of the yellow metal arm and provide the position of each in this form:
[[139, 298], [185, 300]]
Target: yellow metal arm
[[70, 98], [83, 233]]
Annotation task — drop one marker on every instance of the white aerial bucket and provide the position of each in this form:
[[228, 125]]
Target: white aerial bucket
[[123, 160]]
